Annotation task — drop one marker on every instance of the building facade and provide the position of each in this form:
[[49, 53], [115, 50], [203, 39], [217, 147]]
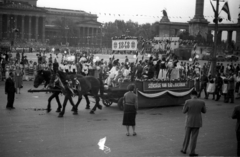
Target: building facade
[[22, 20]]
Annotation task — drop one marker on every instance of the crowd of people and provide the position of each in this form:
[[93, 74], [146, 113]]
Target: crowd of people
[[113, 72]]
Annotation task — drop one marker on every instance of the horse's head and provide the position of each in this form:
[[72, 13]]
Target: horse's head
[[41, 77], [57, 80]]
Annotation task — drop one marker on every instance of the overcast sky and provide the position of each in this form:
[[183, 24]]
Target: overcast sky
[[128, 9], [178, 10]]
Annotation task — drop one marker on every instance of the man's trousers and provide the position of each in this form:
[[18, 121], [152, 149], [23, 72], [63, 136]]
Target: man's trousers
[[193, 134]]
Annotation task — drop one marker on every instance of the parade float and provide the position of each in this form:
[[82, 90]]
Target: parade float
[[151, 92]]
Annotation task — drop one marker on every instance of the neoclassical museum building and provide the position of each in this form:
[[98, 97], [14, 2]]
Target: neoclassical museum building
[[23, 20]]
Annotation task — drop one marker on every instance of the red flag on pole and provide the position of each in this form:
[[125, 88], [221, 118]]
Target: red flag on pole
[[227, 10]]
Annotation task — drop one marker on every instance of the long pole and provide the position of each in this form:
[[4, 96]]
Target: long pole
[[214, 59], [101, 40]]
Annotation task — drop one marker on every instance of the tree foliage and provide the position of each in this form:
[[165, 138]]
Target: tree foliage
[[128, 28]]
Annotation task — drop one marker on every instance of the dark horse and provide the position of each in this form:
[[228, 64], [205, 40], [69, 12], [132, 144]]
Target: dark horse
[[86, 85], [45, 76]]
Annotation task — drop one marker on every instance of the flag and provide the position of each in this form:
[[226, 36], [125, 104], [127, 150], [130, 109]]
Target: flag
[[227, 10], [212, 7]]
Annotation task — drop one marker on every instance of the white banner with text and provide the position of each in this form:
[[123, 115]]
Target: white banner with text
[[124, 45]]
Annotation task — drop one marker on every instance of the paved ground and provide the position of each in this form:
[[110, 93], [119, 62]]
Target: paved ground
[[28, 131]]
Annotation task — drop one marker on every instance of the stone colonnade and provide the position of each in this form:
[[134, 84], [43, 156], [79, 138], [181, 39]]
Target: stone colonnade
[[229, 35], [89, 35], [29, 26]]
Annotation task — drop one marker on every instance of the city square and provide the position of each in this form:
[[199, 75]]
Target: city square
[[30, 131], [92, 78]]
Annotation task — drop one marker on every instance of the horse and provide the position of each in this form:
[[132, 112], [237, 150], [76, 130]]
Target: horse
[[45, 76], [85, 85]]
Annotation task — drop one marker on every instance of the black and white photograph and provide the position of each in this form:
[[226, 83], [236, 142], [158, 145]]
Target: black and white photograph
[[128, 78]]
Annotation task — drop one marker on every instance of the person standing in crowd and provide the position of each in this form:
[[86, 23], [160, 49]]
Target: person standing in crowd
[[203, 85], [126, 60], [211, 86], [194, 109], [218, 88], [230, 89], [150, 72], [50, 61], [10, 91], [18, 79], [55, 66], [130, 103], [18, 57], [236, 115]]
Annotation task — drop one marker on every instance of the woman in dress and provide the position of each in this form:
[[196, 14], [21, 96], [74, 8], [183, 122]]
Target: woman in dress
[[18, 79], [130, 103]]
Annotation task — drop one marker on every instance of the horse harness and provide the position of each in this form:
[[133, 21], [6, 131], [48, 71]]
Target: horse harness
[[72, 87]]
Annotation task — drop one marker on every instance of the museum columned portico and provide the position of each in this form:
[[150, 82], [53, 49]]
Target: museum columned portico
[[22, 21], [29, 27]]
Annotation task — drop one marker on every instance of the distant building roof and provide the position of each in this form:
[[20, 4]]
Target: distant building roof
[[68, 11]]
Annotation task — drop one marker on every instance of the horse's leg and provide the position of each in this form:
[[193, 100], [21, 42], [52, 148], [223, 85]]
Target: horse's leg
[[64, 106], [58, 101], [97, 105], [73, 106], [78, 102], [87, 101], [49, 102]]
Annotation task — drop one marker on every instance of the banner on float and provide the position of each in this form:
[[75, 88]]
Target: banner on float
[[158, 86], [124, 45], [21, 49], [167, 38]]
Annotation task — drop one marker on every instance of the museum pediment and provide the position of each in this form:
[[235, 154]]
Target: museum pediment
[[21, 6]]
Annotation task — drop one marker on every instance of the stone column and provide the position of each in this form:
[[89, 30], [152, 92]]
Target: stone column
[[8, 26], [199, 25], [81, 35], [199, 9], [1, 26], [78, 36], [36, 31], [30, 28], [96, 35], [88, 36], [15, 26], [43, 29], [229, 37], [238, 40], [22, 31], [176, 32], [92, 38], [84, 36]]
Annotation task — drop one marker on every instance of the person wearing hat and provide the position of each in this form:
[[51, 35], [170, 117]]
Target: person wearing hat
[[10, 91], [194, 109]]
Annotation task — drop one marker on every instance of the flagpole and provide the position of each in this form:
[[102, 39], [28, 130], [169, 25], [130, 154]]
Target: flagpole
[[214, 60]]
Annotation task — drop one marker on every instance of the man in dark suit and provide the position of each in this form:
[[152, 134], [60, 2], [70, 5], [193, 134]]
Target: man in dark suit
[[203, 84], [55, 66], [194, 109], [10, 91], [236, 115]]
